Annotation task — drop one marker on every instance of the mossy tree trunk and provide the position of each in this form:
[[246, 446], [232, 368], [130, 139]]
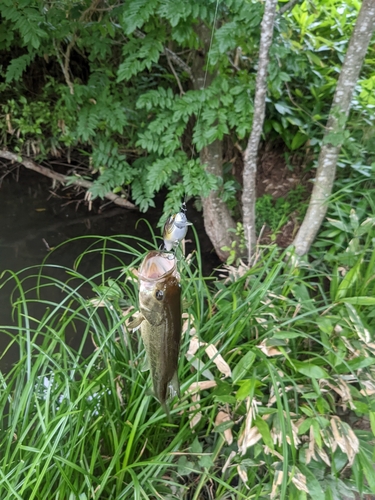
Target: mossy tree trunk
[[333, 136]]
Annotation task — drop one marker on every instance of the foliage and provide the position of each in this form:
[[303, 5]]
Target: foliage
[[276, 369], [275, 213], [115, 80], [347, 231]]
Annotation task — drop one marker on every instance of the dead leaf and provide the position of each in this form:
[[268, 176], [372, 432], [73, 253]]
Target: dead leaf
[[342, 389], [201, 386], [250, 435], [269, 350], [195, 418], [189, 319], [219, 361], [345, 438], [277, 480], [369, 388], [194, 345], [310, 452], [299, 481], [323, 455], [269, 451], [249, 439], [229, 460], [222, 417], [243, 475]]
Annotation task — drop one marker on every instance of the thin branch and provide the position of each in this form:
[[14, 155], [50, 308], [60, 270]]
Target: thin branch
[[63, 179], [182, 92], [169, 53], [65, 66], [287, 6], [179, 62]]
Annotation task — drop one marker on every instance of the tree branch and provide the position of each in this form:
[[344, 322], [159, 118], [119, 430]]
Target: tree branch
[[63, 179], [329, 153], [169, 53], [65, 65], [287, 6], [175, 74], [251, 152]]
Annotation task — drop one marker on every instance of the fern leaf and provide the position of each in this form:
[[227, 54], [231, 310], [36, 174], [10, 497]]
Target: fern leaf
[[17, 66]]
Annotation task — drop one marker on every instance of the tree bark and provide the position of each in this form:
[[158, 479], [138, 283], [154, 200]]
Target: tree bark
[[63, 179], [218, 223], [251, 152], [329, 153]]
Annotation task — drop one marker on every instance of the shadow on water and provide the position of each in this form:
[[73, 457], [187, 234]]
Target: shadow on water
[[32, 221]]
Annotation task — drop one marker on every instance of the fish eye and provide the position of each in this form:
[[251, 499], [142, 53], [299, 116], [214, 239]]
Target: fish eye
[[159, 294]]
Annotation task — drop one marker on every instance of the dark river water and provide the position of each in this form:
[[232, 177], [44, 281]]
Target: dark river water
[[31, 219]]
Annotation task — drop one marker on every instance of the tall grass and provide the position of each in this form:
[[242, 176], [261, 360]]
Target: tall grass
[[276, 373]]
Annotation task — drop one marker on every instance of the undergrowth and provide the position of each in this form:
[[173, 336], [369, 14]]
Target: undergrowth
[[274, 213], [277, 381]]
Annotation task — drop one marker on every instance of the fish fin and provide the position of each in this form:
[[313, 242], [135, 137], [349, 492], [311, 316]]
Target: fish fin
[[136, 322], [174, 385], [164, 405], [145, 365], [166, 410]]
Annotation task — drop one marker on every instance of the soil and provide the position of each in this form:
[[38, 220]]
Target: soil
[[279, 172]]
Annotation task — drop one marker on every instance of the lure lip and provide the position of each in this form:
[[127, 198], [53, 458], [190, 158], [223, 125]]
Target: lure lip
[[157, 266]]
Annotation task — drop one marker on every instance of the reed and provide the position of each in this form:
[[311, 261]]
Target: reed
[[276, 370]]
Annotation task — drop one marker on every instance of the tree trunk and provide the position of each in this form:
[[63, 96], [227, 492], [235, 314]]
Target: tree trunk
[[329, 152], [218, 223], [251, 152]]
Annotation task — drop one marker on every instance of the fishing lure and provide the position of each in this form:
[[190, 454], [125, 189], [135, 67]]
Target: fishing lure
[[175, 229]]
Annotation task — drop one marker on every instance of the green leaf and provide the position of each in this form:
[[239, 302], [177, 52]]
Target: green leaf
[[298, 140], [224, 426], [372, 421], [310, 369], [315, 490], [247, 386], [359, 301], [206, 461], [360, 362], [17, 66], [243, 366], [305, 426], [288, 335], [184, 466], [340, 225], [264, 432], [282, 108], [349, 280], [196, 446]]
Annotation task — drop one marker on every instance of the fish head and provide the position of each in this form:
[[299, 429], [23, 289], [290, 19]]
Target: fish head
[[159, 285]]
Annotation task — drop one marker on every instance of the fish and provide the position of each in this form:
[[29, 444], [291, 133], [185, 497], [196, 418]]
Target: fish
[[175, 230], [160, 321]]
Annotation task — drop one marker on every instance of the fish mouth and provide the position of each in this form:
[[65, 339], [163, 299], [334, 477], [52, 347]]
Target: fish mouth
[[156, 266]]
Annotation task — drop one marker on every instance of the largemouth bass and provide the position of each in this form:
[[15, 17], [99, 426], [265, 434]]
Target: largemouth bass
[[160, 321]]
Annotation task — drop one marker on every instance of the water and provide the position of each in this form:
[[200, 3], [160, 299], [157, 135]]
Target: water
[[32, 220]]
